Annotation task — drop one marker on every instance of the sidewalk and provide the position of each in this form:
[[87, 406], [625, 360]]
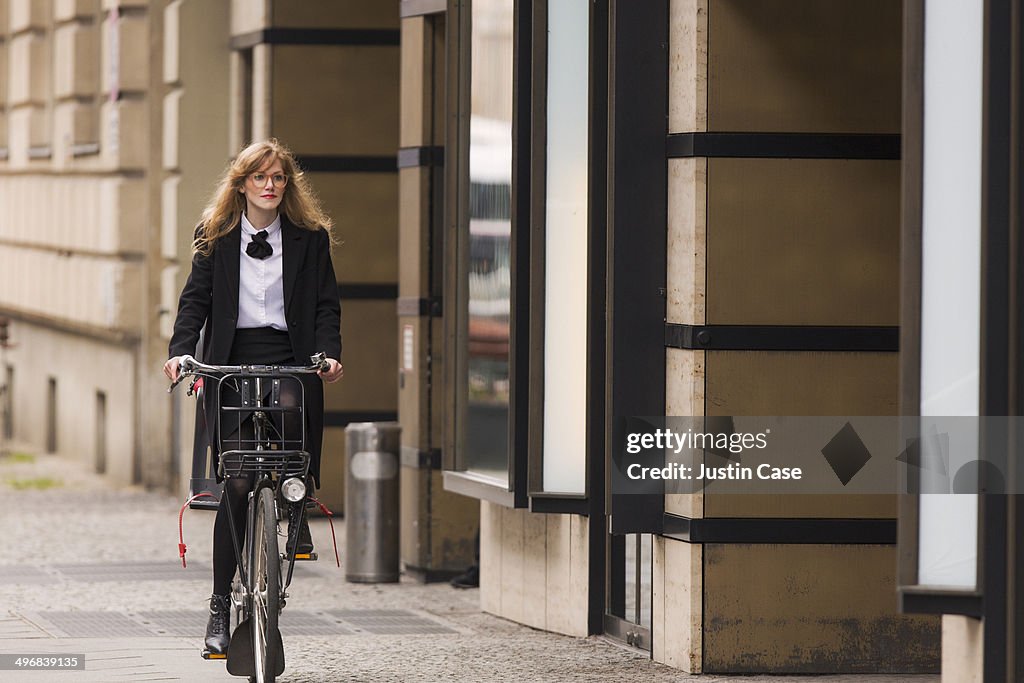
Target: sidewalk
[[95, 572]]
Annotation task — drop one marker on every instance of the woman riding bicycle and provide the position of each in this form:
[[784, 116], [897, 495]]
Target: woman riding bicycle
[[264, 291]]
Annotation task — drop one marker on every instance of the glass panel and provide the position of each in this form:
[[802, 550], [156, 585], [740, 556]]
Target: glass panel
[[565, 284], [951, 269], [630, 577], [638, 574], [490, 209]]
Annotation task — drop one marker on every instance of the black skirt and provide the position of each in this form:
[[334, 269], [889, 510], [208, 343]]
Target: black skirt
[[261, 346]]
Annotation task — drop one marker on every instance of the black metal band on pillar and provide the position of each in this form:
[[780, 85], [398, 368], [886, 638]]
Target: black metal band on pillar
[[813, 531], [782, 338], [416, 157], [380, 291], [784, 145], [379, 37]]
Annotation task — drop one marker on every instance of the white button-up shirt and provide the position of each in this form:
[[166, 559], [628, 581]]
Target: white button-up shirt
[[261, 281]]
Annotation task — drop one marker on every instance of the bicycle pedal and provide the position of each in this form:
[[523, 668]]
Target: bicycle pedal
[[302, 557], [214, 655]]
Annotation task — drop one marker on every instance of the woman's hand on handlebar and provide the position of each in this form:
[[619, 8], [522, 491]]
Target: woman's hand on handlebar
[[171, 367], [174, 367], [333, 373]]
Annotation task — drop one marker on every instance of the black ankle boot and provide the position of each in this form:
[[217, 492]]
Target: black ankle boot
[[305, 539], [218, 629], [305, 544]]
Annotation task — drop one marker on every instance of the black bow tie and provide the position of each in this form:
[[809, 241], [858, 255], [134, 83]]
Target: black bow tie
[[259, 247]]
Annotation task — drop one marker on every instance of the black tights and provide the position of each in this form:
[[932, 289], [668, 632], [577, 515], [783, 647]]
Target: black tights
[[236, 491]]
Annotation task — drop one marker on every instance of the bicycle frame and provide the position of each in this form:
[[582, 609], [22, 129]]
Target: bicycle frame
[[269, 460]]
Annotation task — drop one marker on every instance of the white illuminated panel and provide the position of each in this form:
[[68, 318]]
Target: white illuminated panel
[[565, 298], [951, 271]]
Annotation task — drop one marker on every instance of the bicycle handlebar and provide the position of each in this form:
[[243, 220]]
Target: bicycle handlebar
[[190, 366]]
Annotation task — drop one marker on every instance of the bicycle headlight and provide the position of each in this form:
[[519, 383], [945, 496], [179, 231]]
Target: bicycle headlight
[[293, 490]]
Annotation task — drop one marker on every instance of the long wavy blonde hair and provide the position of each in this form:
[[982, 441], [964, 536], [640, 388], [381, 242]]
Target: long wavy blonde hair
[[299, 204]]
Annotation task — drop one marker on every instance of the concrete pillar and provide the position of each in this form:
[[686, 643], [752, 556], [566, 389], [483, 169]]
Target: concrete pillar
[[764, 241], [333, 99], [438, 527]]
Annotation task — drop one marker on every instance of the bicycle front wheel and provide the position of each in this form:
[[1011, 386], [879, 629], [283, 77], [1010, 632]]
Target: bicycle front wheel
[[265, 583]]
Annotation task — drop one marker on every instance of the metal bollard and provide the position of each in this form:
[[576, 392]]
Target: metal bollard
[[371, 502]]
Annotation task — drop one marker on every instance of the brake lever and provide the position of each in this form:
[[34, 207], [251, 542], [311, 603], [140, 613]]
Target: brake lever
[[175, 383]]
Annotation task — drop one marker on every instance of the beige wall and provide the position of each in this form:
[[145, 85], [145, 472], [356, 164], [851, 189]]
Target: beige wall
[[804, 66], [962, 654], [40, 353], [534, 568], [809, 609], [677, 614]]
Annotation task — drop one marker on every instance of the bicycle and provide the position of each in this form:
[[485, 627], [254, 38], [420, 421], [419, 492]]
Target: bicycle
[[279, 474]]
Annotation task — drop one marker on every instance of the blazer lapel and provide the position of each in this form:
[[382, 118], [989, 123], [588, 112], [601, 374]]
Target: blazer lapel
[[293, 241], [232, 243]]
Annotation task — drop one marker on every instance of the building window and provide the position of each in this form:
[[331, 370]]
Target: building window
[[29, 92], [8, 403], [521, 275], [489, 282], [101, 433], [51, 415], [76, 91], [482, 258]]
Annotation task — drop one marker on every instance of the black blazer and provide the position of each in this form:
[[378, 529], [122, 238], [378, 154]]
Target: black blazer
[[210, 298], [209, 301]]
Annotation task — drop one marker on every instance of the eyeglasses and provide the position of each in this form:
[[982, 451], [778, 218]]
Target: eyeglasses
[[260, 179]]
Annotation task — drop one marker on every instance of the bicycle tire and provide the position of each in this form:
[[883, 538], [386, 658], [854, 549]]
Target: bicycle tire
[[265, 589]]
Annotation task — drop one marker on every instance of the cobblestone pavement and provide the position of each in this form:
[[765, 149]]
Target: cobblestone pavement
[[94, 571]]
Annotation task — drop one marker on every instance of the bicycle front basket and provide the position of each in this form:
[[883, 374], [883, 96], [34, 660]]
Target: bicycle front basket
[[282, 463]]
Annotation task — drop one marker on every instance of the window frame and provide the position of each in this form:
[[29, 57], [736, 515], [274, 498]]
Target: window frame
[[526, 343], [542, 500], [456, 477]]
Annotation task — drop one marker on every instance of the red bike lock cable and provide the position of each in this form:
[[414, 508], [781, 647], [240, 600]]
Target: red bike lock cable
[[329, 514], [181, 533]]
